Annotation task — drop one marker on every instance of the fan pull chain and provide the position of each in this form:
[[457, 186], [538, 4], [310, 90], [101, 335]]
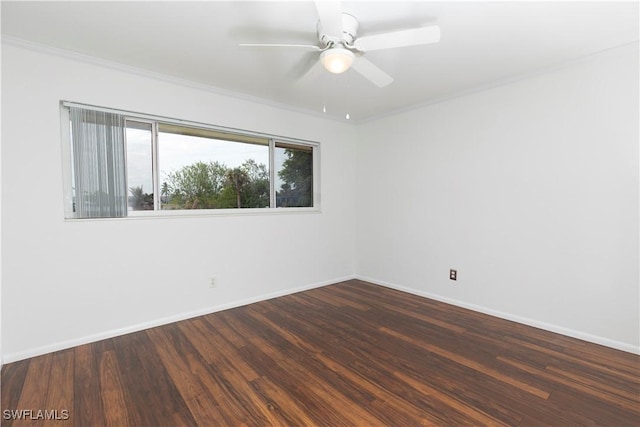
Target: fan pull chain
[[324, 94], [347, 116]]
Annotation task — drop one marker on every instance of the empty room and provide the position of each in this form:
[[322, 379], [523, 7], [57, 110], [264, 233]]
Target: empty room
[[299, 213]]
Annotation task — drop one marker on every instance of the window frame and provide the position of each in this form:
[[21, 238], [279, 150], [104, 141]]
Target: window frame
[[155, 122]]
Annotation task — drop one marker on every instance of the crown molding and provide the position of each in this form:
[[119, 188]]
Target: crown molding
[[92, 60], [118, 66], [502, 82]]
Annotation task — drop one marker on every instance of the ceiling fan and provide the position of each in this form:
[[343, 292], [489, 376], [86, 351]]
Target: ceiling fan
[[340, 47]]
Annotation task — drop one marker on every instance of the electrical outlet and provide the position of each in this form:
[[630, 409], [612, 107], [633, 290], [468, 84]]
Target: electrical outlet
[[213, 282], [453, 274]]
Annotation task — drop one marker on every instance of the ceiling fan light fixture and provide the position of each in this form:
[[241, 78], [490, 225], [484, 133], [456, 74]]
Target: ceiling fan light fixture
[[337, 60]]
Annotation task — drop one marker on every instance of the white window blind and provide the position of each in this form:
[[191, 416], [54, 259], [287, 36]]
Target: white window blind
[[98, 152]]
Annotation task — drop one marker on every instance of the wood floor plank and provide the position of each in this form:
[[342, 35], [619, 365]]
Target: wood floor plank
[[200, 403], [280, 400], [594, 383], [60, 390], [578, 386], [592, 410], [471, 364], [87, 401], [13, 379], [415, 315], [614, 368], [34, 391], [367, 389], [208, 342], [348, 354], [477, 416], [300, 402], [376, 384], [113, 393], [148, 382], [358, 339]]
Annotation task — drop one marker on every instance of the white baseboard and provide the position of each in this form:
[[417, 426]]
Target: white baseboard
[[37, 351], [523, 320]]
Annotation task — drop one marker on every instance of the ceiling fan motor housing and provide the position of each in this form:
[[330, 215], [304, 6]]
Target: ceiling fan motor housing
[[349, 32]]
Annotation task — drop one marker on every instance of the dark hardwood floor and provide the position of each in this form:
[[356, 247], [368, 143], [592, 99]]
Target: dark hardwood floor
[[348, 354]]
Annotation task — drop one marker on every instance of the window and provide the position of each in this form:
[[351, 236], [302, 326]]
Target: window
[[205, 169], [294, 175], [139, 142], [170, 166]]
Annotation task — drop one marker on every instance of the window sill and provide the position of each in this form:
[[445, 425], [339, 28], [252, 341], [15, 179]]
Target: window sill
[[204, 213]]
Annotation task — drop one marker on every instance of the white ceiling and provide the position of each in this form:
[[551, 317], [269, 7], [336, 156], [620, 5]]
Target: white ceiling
[[483, 43]]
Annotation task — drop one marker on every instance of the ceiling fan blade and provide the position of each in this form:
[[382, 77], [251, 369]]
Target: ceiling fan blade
[[412, 37], [330, 14], [304, 67], [371, 72], [307, 47]]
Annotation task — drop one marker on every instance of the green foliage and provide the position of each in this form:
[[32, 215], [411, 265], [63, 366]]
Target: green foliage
[[215, 186], [237, 179], [139, 200], [256, 192], [164, 192], [195, 186], [297, 174]]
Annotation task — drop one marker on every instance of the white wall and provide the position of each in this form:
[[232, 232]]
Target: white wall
[[68, 282], [1, 354], [529, 190]]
